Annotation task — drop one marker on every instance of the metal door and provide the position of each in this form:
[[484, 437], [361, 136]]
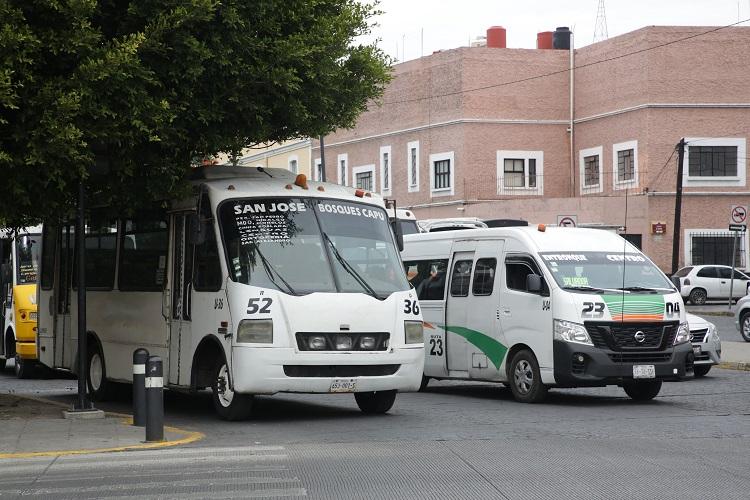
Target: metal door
[[458, 299], [178, 295]]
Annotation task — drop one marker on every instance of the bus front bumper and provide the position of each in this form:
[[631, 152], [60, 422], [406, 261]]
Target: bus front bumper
[[259, 370], [602, 367]]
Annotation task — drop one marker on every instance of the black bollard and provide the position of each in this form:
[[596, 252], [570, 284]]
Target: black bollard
[[154, 399], [140, 356]]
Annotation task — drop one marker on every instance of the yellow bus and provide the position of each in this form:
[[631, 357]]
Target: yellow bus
[[19, 256]]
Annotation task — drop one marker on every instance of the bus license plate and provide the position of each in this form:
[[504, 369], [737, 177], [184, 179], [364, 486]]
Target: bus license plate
[[644, 371], [343, 385]]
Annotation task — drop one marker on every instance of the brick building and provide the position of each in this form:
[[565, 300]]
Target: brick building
[[498, 133]]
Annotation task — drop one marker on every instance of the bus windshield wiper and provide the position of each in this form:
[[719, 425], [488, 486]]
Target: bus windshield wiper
[[349, 268], [270, 271], [587, 288], [644, 289]]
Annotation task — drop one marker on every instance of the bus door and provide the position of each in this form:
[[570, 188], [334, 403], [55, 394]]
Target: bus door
[[487, 346], [5, 253], [62, 294], [178, 293], [456, 312]]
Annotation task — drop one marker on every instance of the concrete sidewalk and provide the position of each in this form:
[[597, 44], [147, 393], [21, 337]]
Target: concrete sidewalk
[[735, 355], [35, 427]]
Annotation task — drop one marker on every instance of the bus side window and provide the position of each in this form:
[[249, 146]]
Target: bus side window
[[101, 252], [428, 277], [207, 268], [49, 243], [143, 256]]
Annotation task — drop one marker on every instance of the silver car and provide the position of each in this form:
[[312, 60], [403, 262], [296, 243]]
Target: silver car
[[742, 317], [706, 344]]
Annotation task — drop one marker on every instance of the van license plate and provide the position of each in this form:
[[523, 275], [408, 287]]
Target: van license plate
[[343, 385], [644, 371]]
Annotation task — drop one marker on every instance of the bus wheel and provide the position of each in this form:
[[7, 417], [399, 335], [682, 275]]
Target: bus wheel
[[96, 376], [525, 378], [227, 403], [423, 385], [24, 369], [642, 391], [375, 402]]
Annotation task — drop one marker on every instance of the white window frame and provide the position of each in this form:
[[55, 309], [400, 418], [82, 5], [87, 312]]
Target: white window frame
[[345, 158], [449, 155], [386, 191], [289, 161], [362, 169], [616, 148], [412, 187], [316, 164], [583, 153], [728, 180], [503, 155], [688, 244]]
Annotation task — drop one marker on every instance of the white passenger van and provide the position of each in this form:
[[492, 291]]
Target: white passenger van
[[260, 283], [538, 307]]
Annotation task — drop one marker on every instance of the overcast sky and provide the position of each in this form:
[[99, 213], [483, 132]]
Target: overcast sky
[[449, 24]]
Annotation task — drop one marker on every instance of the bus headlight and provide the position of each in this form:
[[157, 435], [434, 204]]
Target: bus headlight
[[256, 331], [568, 331], [683, 334], [414, 332]]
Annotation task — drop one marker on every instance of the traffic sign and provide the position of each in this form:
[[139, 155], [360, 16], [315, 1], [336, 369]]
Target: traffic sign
[[738, 227], [567, 220], [738, 214]]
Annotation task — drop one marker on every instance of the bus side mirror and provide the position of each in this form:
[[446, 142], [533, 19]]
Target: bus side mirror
[[198, 230], [533, 283], [7, 273], [399, 235]]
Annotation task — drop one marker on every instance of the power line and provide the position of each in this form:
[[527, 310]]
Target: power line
[[553, 73]]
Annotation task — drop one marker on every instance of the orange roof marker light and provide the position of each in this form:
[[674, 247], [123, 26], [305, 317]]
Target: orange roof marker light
[[359, 193], [301, 181], [541, 228]]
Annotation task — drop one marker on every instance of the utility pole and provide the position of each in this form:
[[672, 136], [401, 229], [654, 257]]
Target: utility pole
[[677, 207], [82, 404], [322, 161]]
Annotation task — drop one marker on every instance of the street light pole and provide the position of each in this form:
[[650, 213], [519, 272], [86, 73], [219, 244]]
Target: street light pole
[[83, 403]]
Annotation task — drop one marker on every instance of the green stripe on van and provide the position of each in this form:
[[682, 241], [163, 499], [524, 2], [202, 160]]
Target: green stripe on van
[[494, 350]]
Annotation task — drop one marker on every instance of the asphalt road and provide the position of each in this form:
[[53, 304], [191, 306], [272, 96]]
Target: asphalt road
[[458, 440]]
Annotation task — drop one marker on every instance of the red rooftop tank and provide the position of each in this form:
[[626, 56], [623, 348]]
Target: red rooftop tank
[[496, 37], [544, 40]]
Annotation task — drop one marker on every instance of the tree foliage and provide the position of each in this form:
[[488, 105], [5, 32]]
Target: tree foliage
[[139, 88]]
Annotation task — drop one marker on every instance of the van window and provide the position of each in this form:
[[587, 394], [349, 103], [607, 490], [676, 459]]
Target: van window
[[484, 277], [428, 277], [460, 278], [516, 270]]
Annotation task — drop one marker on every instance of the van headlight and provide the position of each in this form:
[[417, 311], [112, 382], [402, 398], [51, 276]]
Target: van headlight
[[255, 331], [568, 331], [683, 334], [414, 332]]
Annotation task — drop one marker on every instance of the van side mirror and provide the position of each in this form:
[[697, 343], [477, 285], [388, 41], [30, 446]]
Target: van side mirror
[[533, 283], [198, 230], [398, 233]]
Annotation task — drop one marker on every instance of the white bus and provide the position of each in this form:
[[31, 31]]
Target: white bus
[[537, 307], [261, 283]]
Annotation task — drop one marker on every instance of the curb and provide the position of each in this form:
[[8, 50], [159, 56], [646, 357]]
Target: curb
[[189, 437], [713, 313], [741, 366]]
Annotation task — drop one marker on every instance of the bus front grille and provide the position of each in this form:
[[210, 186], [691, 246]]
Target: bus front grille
[[340, 370]]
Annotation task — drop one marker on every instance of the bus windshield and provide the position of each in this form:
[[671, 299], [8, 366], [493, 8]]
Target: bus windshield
[[303, 245], [603, 271], [27, 258]]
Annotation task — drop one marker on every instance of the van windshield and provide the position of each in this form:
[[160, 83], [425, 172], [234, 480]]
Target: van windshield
[[303, 245], [597, 271]]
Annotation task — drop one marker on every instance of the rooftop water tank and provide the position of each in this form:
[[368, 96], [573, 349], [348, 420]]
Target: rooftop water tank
[[561, 38], [496, 37], [544, 40]]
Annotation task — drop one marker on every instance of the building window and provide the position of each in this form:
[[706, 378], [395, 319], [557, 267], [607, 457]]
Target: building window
[[320, 171], [343, 169], [715, 161], [442, 172], [714, 247], [625, 168], [385, 169], [364, 177], [317, 170], [412, 153], [293, 164], [625, 165], [590, 166], [519, 172], [712, 161]]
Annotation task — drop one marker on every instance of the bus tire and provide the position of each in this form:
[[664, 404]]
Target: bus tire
[[526, 379], [24, 369], [423, 385], [228, 404], [642, 390], [100, 388], [375, 402]]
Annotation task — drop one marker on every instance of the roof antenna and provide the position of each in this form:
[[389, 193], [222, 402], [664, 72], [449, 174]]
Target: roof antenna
[[263, 171]]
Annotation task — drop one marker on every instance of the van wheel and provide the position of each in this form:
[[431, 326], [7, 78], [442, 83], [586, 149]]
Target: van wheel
[[228, 404], [698, 296], [526, 379], [701, 370], [642, 391], [96, 375], [745, 326], [423, 385], [376, 402], [24, 369]]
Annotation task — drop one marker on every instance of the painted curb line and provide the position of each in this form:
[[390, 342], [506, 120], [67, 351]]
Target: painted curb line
[[189, 437], [745, 367]]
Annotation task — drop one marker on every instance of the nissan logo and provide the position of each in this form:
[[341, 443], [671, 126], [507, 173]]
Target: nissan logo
[[639, 336]]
